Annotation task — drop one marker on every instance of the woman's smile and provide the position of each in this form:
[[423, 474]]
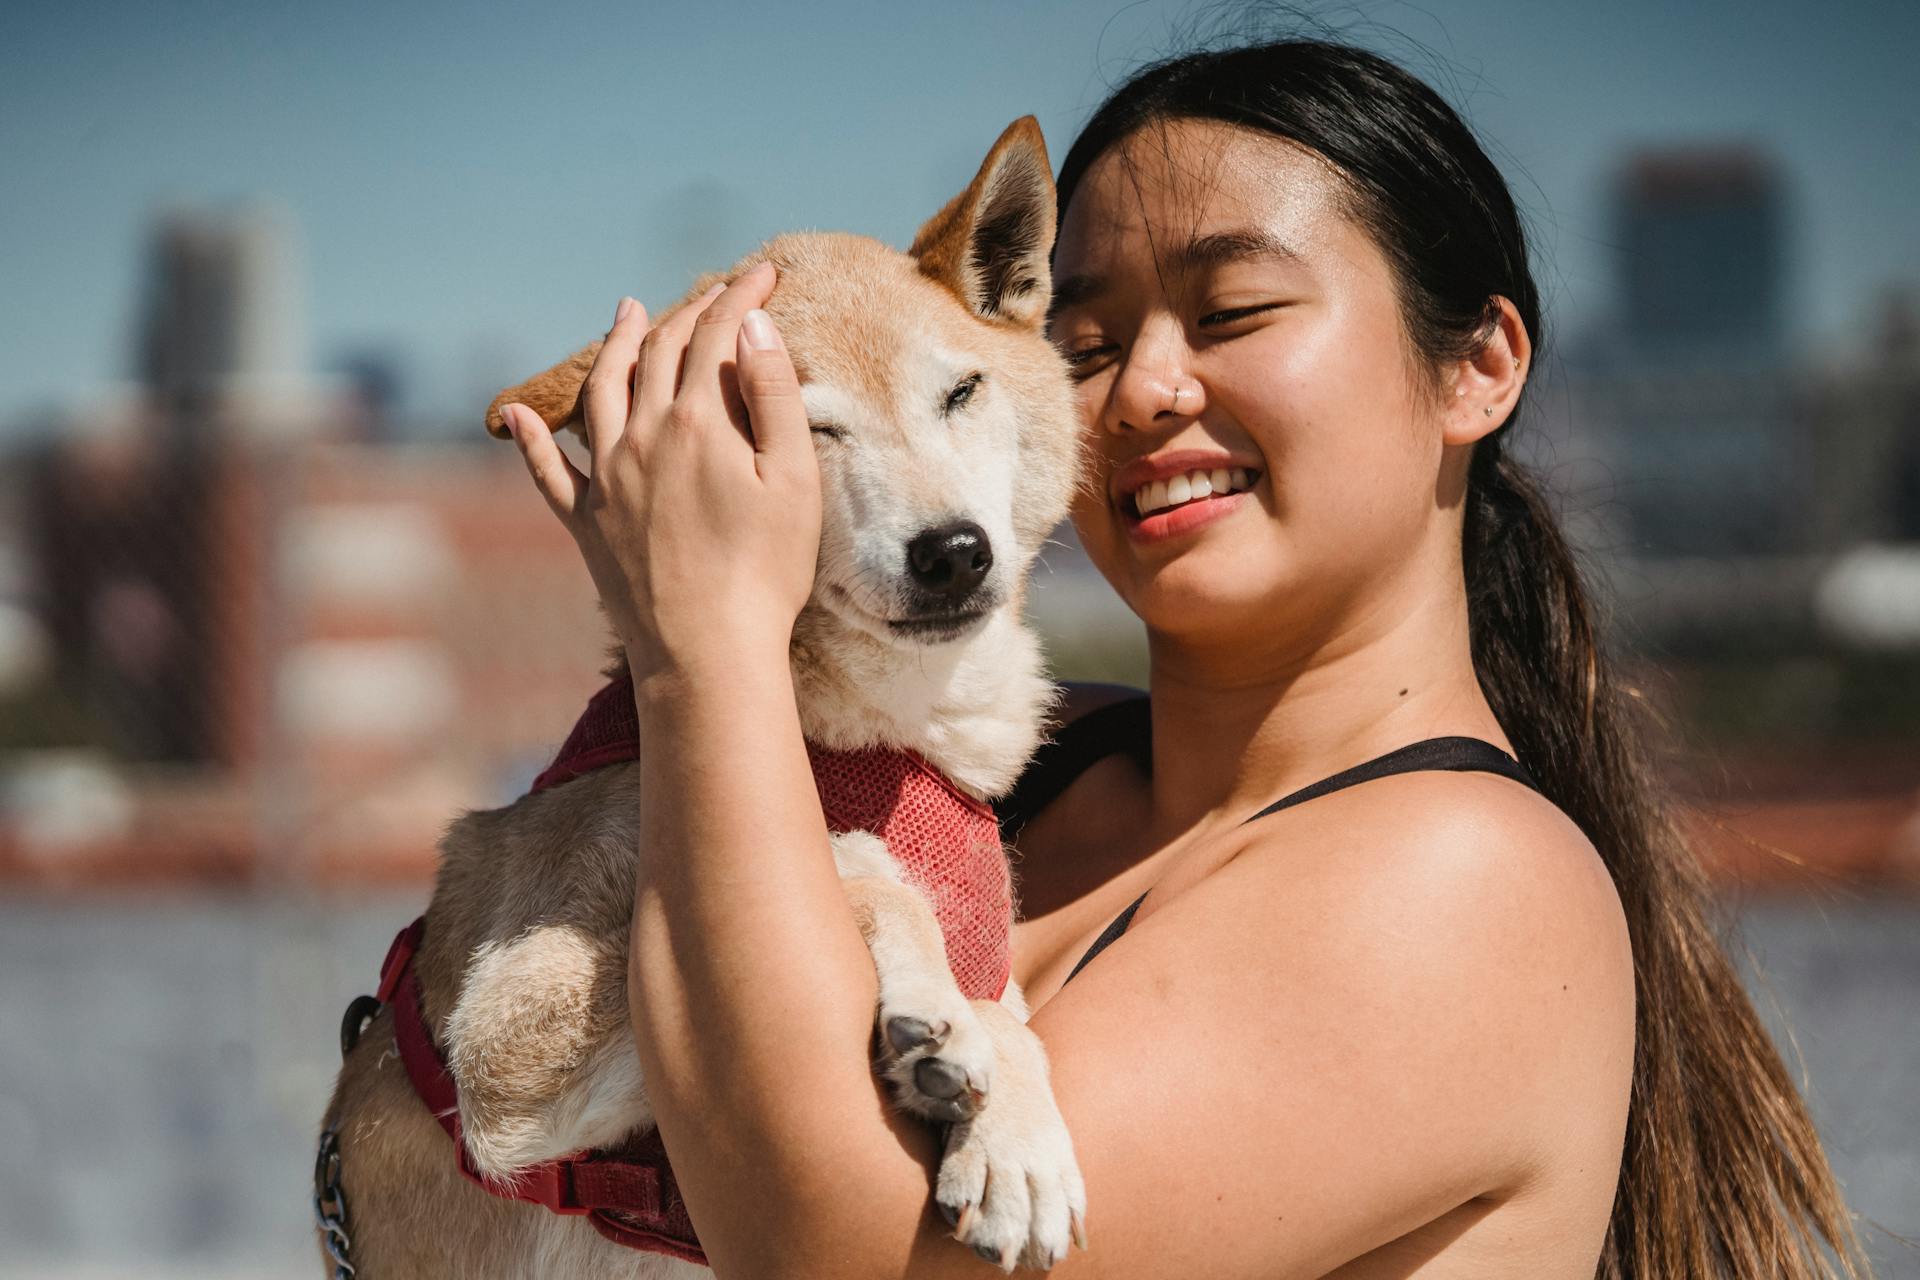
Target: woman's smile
[[1176, 492]]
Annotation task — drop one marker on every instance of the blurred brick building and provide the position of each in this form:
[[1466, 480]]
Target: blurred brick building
[[278, 647]]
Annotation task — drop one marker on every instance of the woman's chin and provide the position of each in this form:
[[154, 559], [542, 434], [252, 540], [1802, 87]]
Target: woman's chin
[[1207, 589]]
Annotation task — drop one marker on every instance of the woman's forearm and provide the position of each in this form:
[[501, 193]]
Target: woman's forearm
[[750, 989], [751, 994]]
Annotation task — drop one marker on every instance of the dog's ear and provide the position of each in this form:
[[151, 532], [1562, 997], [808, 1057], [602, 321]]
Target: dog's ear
[[991, 243], [554, 395]]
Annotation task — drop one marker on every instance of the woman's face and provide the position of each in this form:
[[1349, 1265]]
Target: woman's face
[[1224, 316]]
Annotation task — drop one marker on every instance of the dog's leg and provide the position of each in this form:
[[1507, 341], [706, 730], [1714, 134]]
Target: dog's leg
[[934, 1052], [1008, 1181], [535, 1042]]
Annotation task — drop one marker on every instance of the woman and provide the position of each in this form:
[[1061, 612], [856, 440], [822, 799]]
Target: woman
[[1445, 1015]]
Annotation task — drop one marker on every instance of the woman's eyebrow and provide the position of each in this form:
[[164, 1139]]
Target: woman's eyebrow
[[1073, 291], [1219, 248]]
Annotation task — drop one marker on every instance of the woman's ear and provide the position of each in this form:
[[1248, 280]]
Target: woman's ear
[[991, 242], [1483, 388]]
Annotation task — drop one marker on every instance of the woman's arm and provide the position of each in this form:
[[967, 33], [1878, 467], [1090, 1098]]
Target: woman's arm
[[1292, 1063], [752, 993]]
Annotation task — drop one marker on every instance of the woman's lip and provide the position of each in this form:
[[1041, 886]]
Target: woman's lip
[[1164, 466], [1171, 522]]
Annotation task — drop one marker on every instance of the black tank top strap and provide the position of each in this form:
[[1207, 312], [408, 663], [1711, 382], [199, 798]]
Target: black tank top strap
[[1458, 755], [1123, 726], [1108, 936]]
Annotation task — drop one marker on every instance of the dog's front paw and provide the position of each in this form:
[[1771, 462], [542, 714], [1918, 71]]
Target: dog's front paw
[[1009, 1184], [937, 1057]]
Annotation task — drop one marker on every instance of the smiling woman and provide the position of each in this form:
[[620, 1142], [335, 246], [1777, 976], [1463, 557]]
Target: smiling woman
[[1296, 259]]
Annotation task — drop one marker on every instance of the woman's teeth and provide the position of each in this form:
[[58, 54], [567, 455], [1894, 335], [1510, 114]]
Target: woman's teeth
[[1190, 487]]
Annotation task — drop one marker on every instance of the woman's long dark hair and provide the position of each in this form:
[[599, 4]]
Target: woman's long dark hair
[[1722, 1173]]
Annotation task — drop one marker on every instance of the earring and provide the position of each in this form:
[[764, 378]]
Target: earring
[[1489, 411]]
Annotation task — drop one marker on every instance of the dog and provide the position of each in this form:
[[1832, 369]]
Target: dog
[[946, 432]]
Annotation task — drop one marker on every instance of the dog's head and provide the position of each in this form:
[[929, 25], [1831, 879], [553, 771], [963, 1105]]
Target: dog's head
[[943, 419]]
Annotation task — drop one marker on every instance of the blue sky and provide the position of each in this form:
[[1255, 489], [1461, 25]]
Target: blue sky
[[474, 186]]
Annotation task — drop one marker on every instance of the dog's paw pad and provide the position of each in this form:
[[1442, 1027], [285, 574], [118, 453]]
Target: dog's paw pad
[[907, 1034], [938, 1078], [940, 1068]]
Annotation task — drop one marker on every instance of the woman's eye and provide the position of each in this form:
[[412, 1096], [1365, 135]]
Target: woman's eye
[[1232, 314]]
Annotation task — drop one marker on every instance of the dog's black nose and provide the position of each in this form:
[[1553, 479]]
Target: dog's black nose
[[951, 560]]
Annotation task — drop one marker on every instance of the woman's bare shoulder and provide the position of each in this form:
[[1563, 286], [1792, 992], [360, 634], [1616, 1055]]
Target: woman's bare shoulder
[[1404, 998], [1468, 873]]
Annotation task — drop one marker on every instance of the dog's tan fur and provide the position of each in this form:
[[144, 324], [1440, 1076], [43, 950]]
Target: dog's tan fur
[[523, 965]]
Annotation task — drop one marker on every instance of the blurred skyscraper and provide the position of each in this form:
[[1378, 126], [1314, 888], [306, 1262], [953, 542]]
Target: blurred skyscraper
[[149, 527], [1761, 502], [223, 324], [1702, 236], [1692, 387]]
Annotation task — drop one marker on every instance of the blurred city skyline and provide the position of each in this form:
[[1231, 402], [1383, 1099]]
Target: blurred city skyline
[[466, 195]]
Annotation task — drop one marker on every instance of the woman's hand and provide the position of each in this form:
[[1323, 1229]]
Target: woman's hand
[[700, 521]]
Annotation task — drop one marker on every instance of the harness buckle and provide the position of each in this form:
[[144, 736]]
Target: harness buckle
[[549, 1185]]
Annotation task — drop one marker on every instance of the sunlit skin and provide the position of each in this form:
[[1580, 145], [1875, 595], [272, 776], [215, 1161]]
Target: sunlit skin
[[1385, 1033]]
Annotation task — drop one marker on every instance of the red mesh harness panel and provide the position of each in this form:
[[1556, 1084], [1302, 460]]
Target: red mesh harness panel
[[948, 846]]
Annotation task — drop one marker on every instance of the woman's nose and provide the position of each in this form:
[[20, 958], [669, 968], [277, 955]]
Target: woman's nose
[[1155, 387]]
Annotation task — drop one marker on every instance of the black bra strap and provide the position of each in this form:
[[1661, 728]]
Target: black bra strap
[[1458, 755], [1107, 938]]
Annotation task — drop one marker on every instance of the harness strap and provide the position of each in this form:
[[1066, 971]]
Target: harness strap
[[631, 1202], [946, 842]]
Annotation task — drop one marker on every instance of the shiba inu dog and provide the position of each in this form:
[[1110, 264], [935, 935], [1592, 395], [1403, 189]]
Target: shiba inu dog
[[947, 438]]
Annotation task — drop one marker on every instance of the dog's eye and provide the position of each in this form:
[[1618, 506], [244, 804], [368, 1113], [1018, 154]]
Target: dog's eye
[[827, 429], [961, 393]]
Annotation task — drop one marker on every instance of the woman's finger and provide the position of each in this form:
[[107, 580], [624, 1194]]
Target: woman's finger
[[717, 331], [657, 379], [771, 391], [554, 474], [608, 391]]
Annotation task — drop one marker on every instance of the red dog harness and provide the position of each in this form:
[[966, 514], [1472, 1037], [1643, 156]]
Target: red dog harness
[[948, 846]]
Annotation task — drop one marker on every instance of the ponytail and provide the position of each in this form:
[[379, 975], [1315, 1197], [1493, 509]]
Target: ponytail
[[1722, 1173]]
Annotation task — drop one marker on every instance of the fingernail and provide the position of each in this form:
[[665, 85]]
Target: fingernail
[[624, 310], [758, 326], [764, 267], [713, 290], [506, 419]]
